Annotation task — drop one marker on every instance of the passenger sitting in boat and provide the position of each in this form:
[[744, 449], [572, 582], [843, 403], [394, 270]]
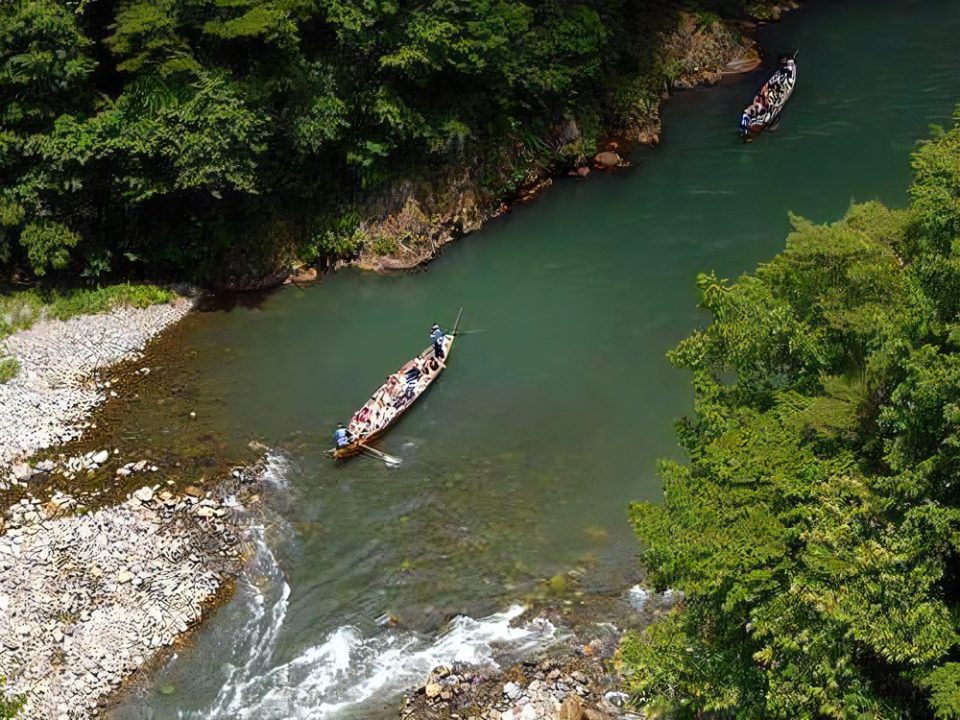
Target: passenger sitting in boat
[[341, 436], [363, 414], [394, 386], [437, 335]]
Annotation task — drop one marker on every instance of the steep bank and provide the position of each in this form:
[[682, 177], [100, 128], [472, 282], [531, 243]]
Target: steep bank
[[247, 139], [407, 226]]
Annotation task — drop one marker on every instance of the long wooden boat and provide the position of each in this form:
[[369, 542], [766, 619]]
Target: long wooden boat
[[392, 399], [768, 104]]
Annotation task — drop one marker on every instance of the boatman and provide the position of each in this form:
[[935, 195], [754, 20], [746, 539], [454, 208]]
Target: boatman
[[341, 436], [437, 335]]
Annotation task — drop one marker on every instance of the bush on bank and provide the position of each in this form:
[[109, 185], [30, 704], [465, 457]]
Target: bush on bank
[[815, 531], [19, 309], [9, 706]]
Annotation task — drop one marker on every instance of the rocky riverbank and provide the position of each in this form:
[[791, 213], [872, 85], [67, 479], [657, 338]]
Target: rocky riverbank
[[575, 679], [90, 597], [549, 689], [61, 377]]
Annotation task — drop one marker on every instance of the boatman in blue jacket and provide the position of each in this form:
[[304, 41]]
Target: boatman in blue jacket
[[437, 335], [341, 436]]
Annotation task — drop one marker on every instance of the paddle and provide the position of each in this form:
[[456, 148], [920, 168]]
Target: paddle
[[390, 460]]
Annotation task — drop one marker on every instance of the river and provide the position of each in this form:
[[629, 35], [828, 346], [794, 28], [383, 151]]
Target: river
[[521, 461]]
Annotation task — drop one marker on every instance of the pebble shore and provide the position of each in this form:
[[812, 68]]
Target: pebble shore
[[88, 598], [551, 689], [59, 382]]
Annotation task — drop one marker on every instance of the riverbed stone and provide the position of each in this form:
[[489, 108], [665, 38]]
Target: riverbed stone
[[608, 159], [86, 600], [48, 402], [144, 494]]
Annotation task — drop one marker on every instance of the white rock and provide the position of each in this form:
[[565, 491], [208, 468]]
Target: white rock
[[101, 457], [144, 494]]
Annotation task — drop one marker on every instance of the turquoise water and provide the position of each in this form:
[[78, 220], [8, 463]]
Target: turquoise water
[[522, 459]]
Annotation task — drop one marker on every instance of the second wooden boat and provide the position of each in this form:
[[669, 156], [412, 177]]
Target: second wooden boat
[[768, 104], [392, 399]]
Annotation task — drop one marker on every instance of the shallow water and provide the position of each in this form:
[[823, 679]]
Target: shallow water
[[520, 462]]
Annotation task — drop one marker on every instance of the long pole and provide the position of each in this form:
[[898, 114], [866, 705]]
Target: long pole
[[373, 452]]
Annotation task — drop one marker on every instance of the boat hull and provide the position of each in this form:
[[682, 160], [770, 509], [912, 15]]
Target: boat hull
[[779, 87], [357, 446]]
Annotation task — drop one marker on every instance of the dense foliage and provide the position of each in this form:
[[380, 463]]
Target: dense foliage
[[160, 133], [815, 531]]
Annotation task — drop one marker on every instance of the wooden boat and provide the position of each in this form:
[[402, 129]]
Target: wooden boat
[[392, 399], [768, 104]]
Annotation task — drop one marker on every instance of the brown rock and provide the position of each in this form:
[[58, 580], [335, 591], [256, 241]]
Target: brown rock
[[570, 709], [590, 713], [607, 159], [433, 689], [302, 275], [193, 491]]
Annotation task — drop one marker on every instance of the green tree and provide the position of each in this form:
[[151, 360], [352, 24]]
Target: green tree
[[181, 135], [814, 531]]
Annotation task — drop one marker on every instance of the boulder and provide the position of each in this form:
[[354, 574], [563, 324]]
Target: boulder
[[144, 494], [590, 713], [22, 471], [101, 457], [607, 159], [433, 689], [570, 709], [512, 690]]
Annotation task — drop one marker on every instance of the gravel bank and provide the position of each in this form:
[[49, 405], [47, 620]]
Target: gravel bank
[[575, 679], [88, 599], [58, 383]]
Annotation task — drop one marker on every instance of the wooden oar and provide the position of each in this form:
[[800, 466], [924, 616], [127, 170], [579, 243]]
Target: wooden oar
[[373, 452]]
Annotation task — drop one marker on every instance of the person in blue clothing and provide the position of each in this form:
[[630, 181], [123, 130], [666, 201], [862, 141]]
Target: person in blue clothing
[[341, 436], [437, 335]]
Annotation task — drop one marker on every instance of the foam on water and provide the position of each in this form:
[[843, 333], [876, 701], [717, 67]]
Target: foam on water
[[638, 597], [277, 470], [345, 668]]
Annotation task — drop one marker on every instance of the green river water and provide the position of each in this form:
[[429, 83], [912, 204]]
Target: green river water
[[521, 461]]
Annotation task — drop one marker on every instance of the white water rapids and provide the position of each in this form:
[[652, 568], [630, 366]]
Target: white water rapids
[[333, 677]]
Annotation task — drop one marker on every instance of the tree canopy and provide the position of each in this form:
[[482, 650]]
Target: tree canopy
[[815, 531], [163, 133]]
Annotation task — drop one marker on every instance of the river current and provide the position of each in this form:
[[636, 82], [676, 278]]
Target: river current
[[520, 463]]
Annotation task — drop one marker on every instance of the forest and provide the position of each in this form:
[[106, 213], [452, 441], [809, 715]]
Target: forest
[[815, 531], [164, 138]]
